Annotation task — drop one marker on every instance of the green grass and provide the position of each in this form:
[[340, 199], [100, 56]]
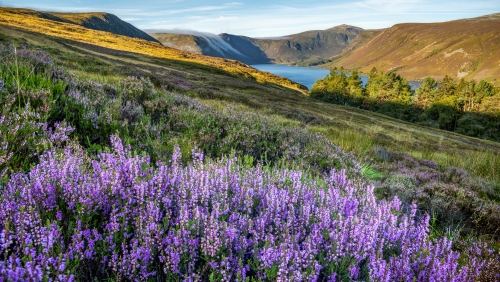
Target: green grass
[[356, 131], [371, 173]]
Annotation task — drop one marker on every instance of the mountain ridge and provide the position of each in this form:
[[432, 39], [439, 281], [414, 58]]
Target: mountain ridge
[[461, 49], [94, 20], [289, 49]]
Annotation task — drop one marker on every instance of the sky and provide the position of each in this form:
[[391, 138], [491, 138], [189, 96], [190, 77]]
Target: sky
[[265, 18]]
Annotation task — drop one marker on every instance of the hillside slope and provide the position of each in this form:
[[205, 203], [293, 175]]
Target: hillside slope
[[309, 45], [100, 52], [225, 86], [97, 21], [223, 46], [18, 18], [464, 49], [314, 44]]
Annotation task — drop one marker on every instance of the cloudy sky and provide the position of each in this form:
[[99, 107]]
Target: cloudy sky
[[259, 18]]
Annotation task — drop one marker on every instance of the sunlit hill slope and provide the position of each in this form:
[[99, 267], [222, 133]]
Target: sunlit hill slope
[[463, 49], [289, 49], [34, 22]]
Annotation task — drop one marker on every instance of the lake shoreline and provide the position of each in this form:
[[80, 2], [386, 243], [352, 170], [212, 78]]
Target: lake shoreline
[[307, 76]]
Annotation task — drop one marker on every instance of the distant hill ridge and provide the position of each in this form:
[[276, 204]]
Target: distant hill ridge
[[315, 44], [97, 21], [485, 18], [75, 34], [467, 48]]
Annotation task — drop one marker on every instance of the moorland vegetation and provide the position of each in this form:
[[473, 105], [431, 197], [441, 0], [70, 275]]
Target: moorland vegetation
[[467, 107], [127, 181], [126, 164]]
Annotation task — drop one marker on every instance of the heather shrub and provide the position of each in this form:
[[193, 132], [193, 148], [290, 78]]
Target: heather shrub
[[136, 89], [451, 195], [29, 89], [131, 110], [230, 131], [118, 217]]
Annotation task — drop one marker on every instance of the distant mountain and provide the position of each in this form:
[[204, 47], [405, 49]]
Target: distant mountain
[[294, 48], [309, 45], [223, 46], [97, 21], [467, 48], [486, 18]]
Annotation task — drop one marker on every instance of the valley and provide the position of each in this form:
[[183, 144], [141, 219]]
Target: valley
[[126, 159], [309, 45]]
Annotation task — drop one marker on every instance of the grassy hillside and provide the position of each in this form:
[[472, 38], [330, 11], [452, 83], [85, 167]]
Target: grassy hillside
[[98, 21], [19, 19], [194, 114], [465, 49]]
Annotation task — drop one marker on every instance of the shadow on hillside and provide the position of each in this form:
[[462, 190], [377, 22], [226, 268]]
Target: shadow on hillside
[[474, 124], [209, 82]]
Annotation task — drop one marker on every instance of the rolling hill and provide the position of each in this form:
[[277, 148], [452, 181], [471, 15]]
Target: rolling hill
[[309, 45], [96, 53], [76, 34], [89, 52], [467, 48], [200, 101], [97, 21]]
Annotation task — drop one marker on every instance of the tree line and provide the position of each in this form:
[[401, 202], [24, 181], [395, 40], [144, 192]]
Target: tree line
[[465, 106]]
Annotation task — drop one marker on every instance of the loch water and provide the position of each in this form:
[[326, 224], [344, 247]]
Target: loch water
[[307, 76]]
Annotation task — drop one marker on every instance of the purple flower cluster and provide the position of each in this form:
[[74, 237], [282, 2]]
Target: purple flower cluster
[[118, 216], [25, 133]]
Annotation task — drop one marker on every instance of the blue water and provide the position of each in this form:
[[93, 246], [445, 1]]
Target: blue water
[[303, 75], [307, 75]]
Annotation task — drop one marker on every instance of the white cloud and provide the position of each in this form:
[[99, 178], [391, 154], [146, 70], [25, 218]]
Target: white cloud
[[254, 18]]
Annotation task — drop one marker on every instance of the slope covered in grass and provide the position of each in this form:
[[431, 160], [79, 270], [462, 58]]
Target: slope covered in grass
[[33, 23], [67, 107], [463, 49], [98, 21]]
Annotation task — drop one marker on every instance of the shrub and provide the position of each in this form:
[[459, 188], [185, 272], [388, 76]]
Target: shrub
[[117, 216], [137, 89], [451, 195]]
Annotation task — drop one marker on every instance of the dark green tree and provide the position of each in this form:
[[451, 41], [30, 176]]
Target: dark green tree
[[426, 93]]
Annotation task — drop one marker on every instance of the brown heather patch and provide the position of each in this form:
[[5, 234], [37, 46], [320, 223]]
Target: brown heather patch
[[460, 49]]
